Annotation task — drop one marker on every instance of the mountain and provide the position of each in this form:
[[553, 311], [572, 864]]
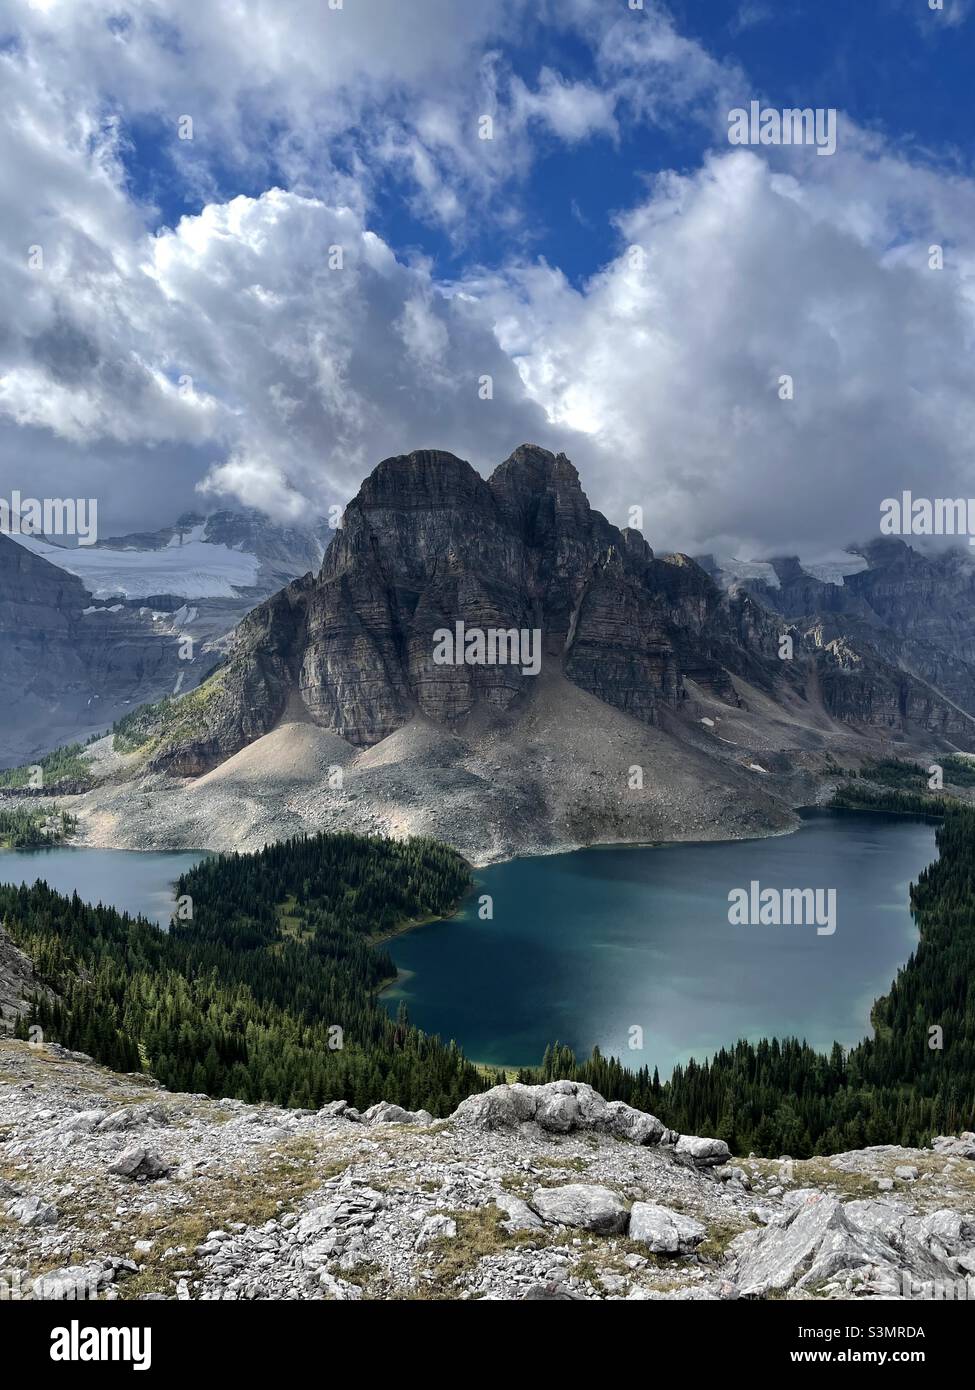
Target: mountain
[[666, 705], [911, 610], [222, 564], [90, 632], [69, 666]]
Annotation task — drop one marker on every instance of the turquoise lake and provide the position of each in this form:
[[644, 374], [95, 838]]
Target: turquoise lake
[[585, 947], [132, 881]]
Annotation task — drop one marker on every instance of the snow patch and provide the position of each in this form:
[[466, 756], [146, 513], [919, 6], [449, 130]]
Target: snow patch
[[195, 569], [733, 568], [833, 569]]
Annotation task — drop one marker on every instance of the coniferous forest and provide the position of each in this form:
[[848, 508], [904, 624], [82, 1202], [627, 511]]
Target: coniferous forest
[[247, 997], [243, 999]]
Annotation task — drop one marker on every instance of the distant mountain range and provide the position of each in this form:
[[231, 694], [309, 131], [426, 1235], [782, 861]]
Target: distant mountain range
[[676, 698], [89, 632]]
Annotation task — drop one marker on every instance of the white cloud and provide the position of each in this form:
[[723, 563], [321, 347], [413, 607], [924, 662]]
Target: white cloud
[[673, 370], [224, 350], [572, 110], [298, 377]]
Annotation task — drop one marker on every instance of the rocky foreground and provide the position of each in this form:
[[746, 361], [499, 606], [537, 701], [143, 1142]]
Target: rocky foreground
[[111, 1187]]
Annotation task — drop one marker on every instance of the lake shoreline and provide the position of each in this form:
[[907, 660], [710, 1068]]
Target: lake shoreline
[[563, 956], [429, 986]]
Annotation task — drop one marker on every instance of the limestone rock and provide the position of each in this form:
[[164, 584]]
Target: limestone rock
[[961, 1147], [384, 1113], [704, 1153], [520, 1215], [588, 1207], [138, 1162], [561, 1107], [32, 1211], [664, 1232], [812, 1242]]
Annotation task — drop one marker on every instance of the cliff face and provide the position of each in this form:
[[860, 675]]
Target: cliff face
[[427, 544], [894, 642], [18, 983], [68, 665]]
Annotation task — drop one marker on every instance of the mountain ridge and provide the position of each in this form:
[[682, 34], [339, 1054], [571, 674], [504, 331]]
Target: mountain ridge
[[667, 705]]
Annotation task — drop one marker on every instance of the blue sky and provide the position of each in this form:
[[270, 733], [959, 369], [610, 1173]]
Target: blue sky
[[893, 65], [185, 343]]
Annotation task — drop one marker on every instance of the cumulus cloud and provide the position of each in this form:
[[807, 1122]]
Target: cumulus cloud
[[671, 359], [236, 354], [288, 337]]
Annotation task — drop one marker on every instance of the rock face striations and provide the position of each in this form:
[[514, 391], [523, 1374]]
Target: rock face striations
[[428, 544], [894, 641], [69, 666], [620, 696]]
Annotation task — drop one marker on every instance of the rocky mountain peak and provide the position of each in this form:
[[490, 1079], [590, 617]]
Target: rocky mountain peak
[[428, 544], [539, 493], [536, 467], [430, 478]]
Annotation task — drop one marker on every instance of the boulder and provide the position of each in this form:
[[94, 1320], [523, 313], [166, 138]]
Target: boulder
[[502, 1107], [138, 1162], [133, 1117], [385, 1113], [83, 1121], [520, 1215], [32, 1211], [946, 1230], [586, 1207], [809, 1243], [636, 1125], [664, 1232], [962, 1146], [560, 1107], [703, 1153], [559, 1114], [336, 1108]]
